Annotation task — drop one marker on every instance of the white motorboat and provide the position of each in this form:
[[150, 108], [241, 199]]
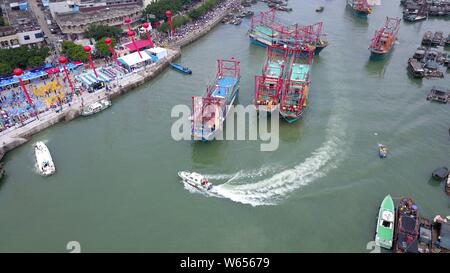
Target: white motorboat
[[44, 159], [195, 180], [95, 107]]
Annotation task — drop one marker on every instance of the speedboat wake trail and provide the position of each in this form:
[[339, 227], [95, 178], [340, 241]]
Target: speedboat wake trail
[[275, 188]]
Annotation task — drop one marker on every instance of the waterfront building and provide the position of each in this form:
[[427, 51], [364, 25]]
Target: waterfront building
[[22, 27]]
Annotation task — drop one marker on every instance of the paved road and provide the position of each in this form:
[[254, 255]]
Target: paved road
[[51, 39]]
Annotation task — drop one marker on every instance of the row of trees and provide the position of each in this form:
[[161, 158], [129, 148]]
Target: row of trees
[[194, 14], [159, 7], [75, 52], [22, 57], [201, 10]]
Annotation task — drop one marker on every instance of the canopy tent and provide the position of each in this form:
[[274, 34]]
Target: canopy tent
[[52, 70], [158, 52], [141, 44], [134, 59], [37, 73]]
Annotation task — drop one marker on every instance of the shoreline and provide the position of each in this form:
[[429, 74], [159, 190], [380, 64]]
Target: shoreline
[[18, 136]]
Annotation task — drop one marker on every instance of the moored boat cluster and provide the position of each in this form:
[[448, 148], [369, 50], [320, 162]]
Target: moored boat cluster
[[430, 56], [418, 10], [403, 229]]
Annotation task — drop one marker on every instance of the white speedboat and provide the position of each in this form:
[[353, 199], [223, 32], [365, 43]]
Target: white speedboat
[[195, 180], [95, 107], [44, 159]]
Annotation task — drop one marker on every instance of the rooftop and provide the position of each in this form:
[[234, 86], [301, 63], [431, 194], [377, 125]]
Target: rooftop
[[18, 15], [89, 17]]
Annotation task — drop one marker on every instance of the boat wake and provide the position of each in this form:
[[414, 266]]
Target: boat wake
[[278, 182]]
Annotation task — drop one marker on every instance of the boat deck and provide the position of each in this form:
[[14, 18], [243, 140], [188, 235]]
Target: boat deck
[[265, 31], [274, 69], [223, 85], [300, 72]]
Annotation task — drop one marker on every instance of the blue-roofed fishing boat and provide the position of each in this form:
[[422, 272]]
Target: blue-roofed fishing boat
[[268, 85], [294, 99], [181, 68], [211, 110]]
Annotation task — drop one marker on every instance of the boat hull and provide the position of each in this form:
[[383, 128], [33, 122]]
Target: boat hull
[[292, 118], [44, 161], [212, 136], [385, 224]]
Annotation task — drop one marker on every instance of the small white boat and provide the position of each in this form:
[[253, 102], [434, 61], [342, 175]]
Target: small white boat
[[195, 180], [44, 159], [95, 107]]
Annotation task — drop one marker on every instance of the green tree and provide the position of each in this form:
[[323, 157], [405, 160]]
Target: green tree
[[35, 61], [96, 32], [73, 51], [159, 8], [24, 57], [5, 69], [102, 49]]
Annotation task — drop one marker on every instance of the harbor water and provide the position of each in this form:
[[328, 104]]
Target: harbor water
[[116, 186]]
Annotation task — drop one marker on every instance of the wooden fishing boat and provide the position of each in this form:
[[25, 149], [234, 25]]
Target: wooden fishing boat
[[425, 236], [181, 68], [441, 235], [407, 231], [385, 224], [427, 37], [438, 37]]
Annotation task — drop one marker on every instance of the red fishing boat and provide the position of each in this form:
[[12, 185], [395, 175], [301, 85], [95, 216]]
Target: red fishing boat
[[294, 99], [385, 37], [268, 85]]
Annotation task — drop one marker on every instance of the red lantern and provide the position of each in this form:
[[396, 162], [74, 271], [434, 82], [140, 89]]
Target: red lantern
[[63, 60], [145, 25], [169, 19], [131, 35], [87, 49], [108, 41], [127, 21], [18, 72]]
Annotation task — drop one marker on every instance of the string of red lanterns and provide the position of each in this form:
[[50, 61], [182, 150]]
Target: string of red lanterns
[[146, 26], [169, 19], [108, 41], [131, 35], [127, 22]]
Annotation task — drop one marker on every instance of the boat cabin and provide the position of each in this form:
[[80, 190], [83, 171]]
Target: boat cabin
[[419, 54], [439, 95], [387, 219], [416, 68]]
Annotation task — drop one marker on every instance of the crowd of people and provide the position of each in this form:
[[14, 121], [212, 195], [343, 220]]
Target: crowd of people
[[197, 25]]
